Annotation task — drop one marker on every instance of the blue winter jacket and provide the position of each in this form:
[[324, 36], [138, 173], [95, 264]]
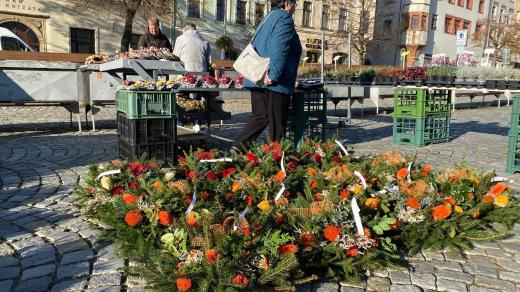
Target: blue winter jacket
[[278, 40]]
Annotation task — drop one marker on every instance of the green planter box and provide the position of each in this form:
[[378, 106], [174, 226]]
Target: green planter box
[[146, 104]]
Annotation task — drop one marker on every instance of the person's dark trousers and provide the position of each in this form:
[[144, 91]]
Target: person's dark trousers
[[268, 109]]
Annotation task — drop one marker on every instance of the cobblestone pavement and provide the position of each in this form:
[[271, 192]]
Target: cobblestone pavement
[[45, 244]]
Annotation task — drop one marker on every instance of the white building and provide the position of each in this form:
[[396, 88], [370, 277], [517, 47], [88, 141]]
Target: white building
[[424, 28]]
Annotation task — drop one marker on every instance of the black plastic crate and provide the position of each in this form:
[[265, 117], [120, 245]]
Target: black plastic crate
[[146, 131], [165, 153]]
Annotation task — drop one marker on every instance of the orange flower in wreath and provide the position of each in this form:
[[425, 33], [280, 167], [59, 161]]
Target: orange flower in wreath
[[413, 203], [498, 189], [165, 218], [211, 255], [449, 200], [488, 199], [313, 185], [426, 170], [352, 252], [133, 218], [184, 284], [307, 239], [311, 171], [191, 220], [344, 194], [372, 203], [401, 174], [130, 199], [331, 233], [441, 212], [280, 176]]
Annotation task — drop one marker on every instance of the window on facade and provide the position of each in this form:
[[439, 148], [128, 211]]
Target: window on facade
[[82, 41], [434, 21], [417, 21], [342, 19], [466, 25], [452, 1], [325, 17], [194, 8], [458, 24], [364, 22], [134, 41], [449, 25], [469, 4], [307, 9], [221, 10], [387, 26], [9, 44], [259, 13], [478, 28], [501, 16], [460, 3], [481, 6], [241, 12], [494, 11]]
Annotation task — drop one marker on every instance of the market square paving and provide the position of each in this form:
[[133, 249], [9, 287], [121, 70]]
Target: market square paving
[[47, 245]]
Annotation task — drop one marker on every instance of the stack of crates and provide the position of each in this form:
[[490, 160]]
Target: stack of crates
[[307, 116], [513, 152], [147, 125], [421, 116]]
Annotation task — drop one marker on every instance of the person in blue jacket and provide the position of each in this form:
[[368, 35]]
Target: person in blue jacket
[[277, 39]]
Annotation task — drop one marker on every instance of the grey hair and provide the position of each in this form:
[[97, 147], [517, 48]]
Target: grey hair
[[189, 26], [281, 3], [153, 19]]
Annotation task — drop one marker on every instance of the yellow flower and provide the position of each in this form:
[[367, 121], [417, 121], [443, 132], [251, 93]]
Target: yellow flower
[[358, 190], [502, 201], [106, 183], [264, 205], [236, 186], [458, 209]]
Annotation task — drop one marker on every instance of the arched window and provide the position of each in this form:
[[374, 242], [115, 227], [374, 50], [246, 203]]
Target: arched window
[[343, 60], [24, 32]]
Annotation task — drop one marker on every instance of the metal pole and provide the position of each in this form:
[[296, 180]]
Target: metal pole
[[322, 55], [225, 16], [174, 23], [349, 49], [488, 23]]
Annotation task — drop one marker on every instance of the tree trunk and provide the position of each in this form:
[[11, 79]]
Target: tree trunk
[[127, 33]]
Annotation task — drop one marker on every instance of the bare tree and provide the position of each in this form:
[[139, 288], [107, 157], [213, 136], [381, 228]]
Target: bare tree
[[131, 7], [501, 35], [358, 17]]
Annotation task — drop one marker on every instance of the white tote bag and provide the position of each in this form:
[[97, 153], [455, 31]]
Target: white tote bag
[[249, 64]]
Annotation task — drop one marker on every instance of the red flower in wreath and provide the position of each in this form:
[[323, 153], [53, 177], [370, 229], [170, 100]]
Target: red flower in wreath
[[240, 279], [211, 176], [184, 284], [228, 171], [136, 168], [251, 157], [193, 175], [287, 248], [117, 190], [204, 155], [352, 252], [165, 218], [133, 185]]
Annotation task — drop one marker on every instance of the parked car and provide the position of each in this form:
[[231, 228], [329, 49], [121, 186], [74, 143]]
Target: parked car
[[11, 42]]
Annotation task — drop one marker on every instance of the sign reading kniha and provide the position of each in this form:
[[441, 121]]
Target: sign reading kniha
[[19, 6]]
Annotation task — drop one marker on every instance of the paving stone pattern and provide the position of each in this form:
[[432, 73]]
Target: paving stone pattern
[[46, 245]]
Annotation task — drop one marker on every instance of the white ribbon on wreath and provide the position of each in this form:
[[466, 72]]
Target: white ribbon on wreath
[[110, 172], [282, 188], [341, 147]]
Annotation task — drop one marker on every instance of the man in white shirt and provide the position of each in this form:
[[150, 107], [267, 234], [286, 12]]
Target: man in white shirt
[[193, 50]]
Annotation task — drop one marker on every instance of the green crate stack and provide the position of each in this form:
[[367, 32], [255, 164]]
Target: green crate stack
[[421, 116], [307, 116], [146, 125], [513, 151], [146, 104]]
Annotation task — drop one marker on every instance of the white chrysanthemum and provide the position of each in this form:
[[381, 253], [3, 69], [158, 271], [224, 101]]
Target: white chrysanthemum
[[409, 215]]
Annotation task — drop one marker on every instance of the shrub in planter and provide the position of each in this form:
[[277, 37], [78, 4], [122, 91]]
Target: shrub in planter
[[307, 72], [416, 75], [367, 77]]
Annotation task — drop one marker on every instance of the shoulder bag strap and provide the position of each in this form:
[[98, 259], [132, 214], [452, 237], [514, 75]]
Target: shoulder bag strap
[[260, 26]]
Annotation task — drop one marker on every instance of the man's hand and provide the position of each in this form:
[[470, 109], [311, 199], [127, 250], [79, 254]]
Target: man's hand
[[267, 81]]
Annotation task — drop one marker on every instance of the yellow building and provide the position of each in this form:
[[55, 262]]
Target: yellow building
[[59, 26]]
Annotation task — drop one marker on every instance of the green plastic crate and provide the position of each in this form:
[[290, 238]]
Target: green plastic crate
[[420, 102], [516, 103], [434, 128], [513, 153], [515, 122], [307, 116], [146, 104]]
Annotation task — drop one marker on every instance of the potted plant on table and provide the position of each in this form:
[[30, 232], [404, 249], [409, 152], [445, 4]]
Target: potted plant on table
[[413, 76]]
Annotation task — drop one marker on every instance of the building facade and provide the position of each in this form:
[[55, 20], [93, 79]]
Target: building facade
[[424, 29], [59, 26]]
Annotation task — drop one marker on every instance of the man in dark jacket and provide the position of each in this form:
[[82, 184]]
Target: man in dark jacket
[[154, 37], [276, 39]]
